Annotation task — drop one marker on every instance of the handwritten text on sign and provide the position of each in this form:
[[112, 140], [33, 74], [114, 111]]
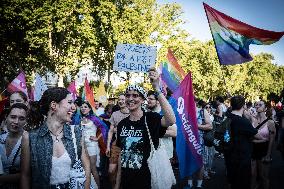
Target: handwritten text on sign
[[134, 58]]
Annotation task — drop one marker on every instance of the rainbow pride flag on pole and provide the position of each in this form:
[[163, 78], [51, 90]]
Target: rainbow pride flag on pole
[[171, 72], [233, 37]]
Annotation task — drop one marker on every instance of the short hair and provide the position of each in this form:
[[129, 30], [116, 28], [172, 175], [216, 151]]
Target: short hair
[[220, 99], [78, 101], [237, 102], [108, 107], [22, 94], [55, 94], [19, 106], [201, 103], [152, 93], [249, 104]]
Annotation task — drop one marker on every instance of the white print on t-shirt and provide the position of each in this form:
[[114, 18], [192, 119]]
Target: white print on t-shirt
[[132, 148], [131, 132]]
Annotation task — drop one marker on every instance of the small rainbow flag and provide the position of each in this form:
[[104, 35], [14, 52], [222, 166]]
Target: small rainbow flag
[[233, 37], [171, 72], [89, 95]]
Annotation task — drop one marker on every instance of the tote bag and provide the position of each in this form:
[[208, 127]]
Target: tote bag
[[162, 175]]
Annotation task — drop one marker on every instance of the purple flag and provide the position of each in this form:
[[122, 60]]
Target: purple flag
[[189, 150]]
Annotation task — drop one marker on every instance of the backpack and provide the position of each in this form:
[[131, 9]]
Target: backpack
[[222, 136]]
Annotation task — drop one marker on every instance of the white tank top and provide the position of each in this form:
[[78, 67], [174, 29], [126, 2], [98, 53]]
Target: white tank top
[[60, 170], [89, 129]]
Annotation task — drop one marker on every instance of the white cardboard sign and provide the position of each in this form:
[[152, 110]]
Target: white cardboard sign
[[134, 58]]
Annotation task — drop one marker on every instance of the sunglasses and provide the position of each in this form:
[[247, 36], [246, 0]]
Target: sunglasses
[[258, 104], [207, 107], [133, 95]]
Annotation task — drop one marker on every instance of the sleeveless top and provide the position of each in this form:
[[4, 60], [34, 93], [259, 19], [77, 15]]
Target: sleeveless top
[[11, 160], [41, 150], [89, 129], [264, 132], [60, 170]]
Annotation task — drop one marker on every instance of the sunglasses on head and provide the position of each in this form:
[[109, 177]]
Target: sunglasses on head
[[133, 95]]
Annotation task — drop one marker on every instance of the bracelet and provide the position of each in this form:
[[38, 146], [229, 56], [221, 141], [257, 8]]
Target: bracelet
[[158, 92]]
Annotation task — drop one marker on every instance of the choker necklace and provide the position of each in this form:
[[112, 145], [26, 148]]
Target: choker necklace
[[56, 136]]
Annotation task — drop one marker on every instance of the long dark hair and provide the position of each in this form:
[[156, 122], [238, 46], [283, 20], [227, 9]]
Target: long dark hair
[[91, 110], [55, 94]]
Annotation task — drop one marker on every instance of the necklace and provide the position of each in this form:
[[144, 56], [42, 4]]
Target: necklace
[[56, 136]]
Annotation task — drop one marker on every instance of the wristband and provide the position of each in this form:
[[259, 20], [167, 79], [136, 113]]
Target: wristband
[[158, 92]]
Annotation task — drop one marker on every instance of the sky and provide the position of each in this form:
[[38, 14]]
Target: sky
[[264, 14]]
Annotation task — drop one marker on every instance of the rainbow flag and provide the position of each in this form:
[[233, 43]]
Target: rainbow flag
[[233, 37], [171, 72], [89, 95]]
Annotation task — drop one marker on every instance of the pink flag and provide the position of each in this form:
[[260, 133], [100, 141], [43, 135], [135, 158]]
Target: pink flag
[[18, 84], [188, 148], [32, 91], [72, 89]]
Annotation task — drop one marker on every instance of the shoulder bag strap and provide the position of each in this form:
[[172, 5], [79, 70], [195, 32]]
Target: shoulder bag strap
[[149, 134], [16, 154], [74, 140], [262, 123]]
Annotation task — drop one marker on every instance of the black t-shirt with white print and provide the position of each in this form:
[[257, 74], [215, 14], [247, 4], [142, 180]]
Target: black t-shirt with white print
[[133, 139]]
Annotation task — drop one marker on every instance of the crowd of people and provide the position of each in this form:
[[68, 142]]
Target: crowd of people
[[41, 141]]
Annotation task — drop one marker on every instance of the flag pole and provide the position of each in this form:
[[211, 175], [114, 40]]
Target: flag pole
[[3, 91], [211, 32], [225, 83]]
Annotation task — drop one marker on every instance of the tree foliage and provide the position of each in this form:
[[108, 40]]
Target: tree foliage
[[254, 79], [61, 36]]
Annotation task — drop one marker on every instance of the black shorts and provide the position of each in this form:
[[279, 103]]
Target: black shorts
[[259, 150]]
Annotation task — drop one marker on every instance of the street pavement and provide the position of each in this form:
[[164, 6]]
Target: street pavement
[[218, 180]]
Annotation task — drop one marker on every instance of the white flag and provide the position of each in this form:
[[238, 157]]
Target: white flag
[[40, 87]]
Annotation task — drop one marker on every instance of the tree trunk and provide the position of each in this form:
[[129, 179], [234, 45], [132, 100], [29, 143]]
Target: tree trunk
[[60, 81]]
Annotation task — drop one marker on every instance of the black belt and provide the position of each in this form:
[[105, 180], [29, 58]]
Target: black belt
[[60, 186]]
